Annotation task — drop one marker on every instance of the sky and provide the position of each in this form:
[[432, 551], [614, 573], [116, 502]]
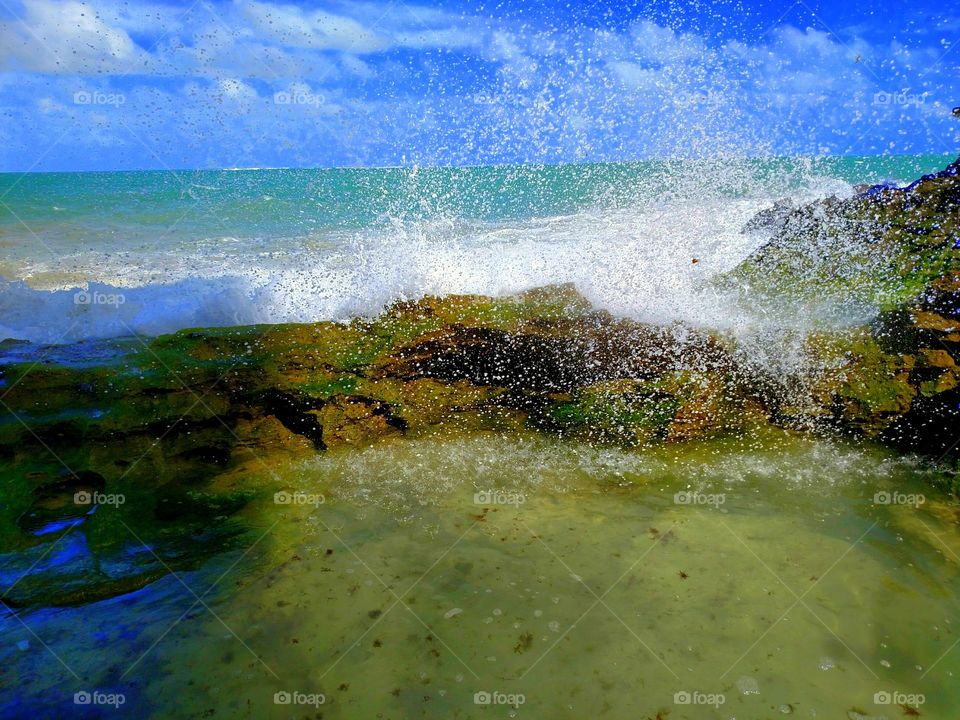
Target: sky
[[142, 84]]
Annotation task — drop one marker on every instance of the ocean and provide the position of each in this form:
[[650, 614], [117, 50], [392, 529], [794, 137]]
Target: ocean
[[112, 254]]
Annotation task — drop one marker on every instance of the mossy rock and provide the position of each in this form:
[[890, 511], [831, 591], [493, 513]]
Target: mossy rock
[[878, 250]]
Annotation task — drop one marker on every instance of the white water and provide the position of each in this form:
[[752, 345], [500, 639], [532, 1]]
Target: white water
[[650, 264]]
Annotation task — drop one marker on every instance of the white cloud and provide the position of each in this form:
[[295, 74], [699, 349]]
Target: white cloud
[[634, 76], [65, 38], [236, 89], [503, 47], [663, 44], [48, 105], [809, 43], [356, 66], [450, 37], [290, 26], [217, 75], [143, 18]]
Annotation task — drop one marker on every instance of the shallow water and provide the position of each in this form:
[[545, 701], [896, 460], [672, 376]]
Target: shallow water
[[578, 582]]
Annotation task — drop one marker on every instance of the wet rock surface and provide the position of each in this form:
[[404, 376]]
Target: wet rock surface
[[896, 253], [877, 250]]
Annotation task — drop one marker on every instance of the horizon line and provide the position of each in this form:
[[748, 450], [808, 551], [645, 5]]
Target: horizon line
[[466, 166]]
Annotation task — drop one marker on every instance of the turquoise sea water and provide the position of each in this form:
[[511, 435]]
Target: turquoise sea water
[[193, 248], [117, 209]]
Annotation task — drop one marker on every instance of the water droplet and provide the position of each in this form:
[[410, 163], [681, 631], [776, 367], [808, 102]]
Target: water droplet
[[748, 686]]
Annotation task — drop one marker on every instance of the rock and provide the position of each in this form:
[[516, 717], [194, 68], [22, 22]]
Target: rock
[[875, 251], [357, 421], [772, 219], [865, 191], [893, 254]]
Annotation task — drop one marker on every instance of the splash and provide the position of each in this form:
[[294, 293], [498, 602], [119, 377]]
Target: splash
[[642, 240]]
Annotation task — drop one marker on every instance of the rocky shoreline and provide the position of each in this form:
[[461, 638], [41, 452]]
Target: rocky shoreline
[[187, 427]]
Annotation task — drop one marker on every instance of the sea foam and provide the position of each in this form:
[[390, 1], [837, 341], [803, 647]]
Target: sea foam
[[651, 265]]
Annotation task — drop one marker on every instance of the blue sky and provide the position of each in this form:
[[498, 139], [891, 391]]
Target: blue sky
[[125, 84]]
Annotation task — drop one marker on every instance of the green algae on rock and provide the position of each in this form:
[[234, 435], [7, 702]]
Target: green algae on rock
[[896, 250], [876, 250]]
